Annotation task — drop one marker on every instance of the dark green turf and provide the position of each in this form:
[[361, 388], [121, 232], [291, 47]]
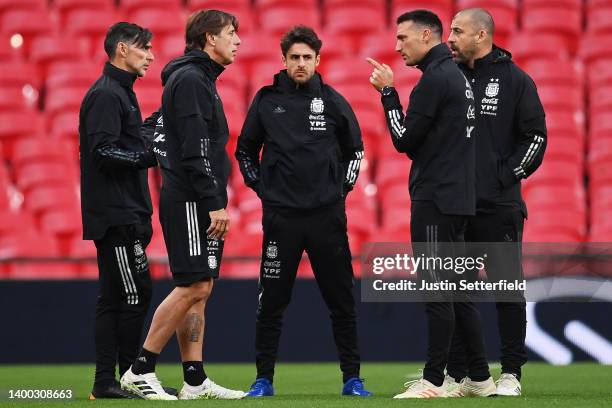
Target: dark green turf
[[318, 385]]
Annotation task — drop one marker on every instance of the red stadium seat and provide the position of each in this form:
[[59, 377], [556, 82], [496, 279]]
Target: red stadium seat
[[561, 97], [131, 6], [22, 4], [268, 4], [564, 147], [569, 4], [251, 51], [28, 24], [64, 224], [20, 74], [49, 49], [42, 174], [526, 47], [548, 197], [37, 150], [599, 73], [67, 74], [161, 21], [53, 197], [552, 173], [91, 24], [278, 20], [17, 125], [600, 99], [442, 8], [361, 96], [392, 172], [13, 222], [546, 20], [343, 20], [170, 47], [601, 123], [595, 47], [66, 125], [561, 120], [545, 226], [339, 74], [15, 99], [551, 72], [149, 99], [67, 6], [599, 21], [239, 8], [64, 99]]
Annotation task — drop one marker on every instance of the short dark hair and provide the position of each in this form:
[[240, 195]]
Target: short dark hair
[[206, 21], [128, 33], [425, 18], [301, 34]]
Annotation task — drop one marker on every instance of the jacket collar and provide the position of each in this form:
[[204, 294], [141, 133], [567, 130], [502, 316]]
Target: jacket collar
[[126, 79], [496, 55], [210, 67], [437, 53], [312, 87]]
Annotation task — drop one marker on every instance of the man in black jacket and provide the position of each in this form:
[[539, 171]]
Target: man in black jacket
[[312, 150], [115, 202], [189, 142], [437, 133], [511, 128]]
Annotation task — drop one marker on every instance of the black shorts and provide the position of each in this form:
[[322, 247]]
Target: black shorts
[[192, 255]]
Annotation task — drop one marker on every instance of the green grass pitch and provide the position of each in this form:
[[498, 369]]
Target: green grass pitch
[[318, 385]]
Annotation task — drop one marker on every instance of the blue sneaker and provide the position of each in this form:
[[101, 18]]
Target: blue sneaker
[[354, 386], [262, 387]]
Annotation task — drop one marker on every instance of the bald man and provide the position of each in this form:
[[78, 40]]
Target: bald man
[[510, 146]]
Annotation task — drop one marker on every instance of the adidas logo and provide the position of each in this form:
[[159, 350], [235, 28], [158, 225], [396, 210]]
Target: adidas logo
[[279, 109], [142, 359], [191, 368]]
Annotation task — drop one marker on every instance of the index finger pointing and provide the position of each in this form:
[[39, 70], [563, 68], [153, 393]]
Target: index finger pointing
[[374, 63]]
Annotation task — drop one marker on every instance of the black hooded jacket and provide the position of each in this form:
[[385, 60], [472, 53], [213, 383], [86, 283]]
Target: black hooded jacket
[[437, 133], [312, 146], [191, 132], [510, 128]]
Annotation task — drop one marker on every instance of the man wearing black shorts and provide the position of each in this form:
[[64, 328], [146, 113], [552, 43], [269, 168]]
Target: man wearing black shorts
[[437, 133], [116, 204], [189, 142]]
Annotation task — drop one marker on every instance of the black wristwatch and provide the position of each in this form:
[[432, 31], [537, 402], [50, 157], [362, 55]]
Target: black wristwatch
[[387, 90]]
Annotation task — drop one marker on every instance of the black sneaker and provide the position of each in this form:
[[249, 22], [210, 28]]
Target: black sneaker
[[111, 391]]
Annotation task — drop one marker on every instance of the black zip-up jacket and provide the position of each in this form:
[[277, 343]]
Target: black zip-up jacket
[[437, 133], [511, 127], [114, 155], [191, 132], [312, 146]]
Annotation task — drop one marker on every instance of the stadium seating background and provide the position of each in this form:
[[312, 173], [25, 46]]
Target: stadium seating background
[[51, 52]]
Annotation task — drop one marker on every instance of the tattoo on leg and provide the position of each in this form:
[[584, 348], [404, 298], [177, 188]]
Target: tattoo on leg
[[195, 325]]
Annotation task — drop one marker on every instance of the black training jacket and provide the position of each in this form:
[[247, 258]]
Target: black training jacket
[[191, 132], [511, 128], [437, 133], [312, 146], [114, 156]]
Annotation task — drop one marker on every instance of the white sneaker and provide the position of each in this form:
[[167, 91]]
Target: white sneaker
[[508, 385], [421, 388], [146, 386], [209, 390], [452, 388], [484, 388]]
